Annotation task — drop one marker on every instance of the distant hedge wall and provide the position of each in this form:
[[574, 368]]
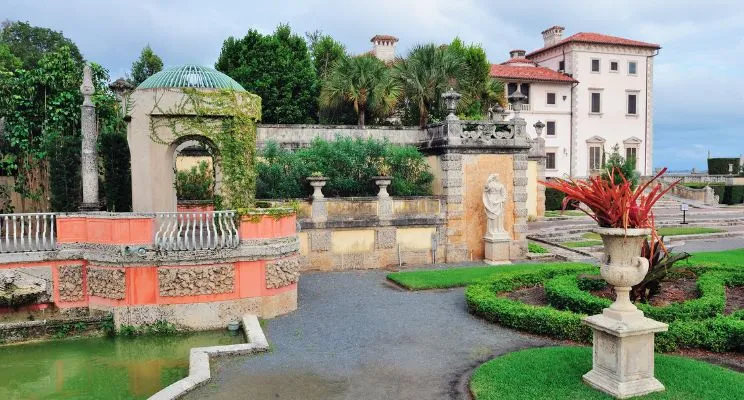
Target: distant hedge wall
[[732, 195], [554, 200], [720, 166]]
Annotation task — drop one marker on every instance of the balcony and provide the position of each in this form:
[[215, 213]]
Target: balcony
[[522, 107]]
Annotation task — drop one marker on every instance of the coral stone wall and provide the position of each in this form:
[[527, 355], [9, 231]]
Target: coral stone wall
[[283, 272], [191, 281], [108, 283], [71, 282]]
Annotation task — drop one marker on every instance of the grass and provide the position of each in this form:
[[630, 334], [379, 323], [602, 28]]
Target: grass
[[582, 243], [555, 373], [461, 276], [669, 231], [536, 248], [567, 213]]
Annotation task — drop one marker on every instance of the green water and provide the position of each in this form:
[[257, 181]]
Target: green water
[[99, 368]]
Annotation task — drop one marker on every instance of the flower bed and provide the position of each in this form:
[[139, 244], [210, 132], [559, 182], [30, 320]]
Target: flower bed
[[692, 324]]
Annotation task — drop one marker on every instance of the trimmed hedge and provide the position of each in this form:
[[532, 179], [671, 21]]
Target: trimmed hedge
[[564, 293], [554, 200], [720, 166], [732, 195], [720, 333]]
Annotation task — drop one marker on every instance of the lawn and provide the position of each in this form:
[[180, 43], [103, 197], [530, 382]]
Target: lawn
[[555, 373], [463, 276], [567, 213], [669, 231], [536, 248], [582, 243]]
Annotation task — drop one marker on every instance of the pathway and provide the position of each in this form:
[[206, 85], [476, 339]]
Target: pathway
[[356, 337]]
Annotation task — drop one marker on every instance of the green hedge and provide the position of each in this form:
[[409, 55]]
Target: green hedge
[[349, 164], [732, 195], [554, 200], [720, 333], [117, 181], [564, 293], [720, 166]]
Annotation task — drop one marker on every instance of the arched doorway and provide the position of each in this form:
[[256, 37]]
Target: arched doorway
[[196, 173]]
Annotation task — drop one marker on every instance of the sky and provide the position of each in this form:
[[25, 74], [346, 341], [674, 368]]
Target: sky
[[698, 82]]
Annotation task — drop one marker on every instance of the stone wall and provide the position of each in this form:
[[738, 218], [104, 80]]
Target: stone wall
[[282, 272], [71, 282], [108, 283], [192, 281]]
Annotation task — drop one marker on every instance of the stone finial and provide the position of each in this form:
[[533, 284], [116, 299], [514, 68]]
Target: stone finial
[[539, 125], [451, 98], [87, 88]]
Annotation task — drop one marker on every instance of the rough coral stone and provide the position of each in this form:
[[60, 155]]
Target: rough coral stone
[[106, 282], [192, 281], [70, 282], [282, 272]]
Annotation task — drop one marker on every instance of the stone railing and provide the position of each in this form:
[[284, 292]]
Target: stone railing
[[477, 136], [704, 195], [196, 230], [27, 232], [520, 107]]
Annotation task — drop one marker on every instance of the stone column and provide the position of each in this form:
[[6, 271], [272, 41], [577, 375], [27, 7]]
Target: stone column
[[384, 201], [537, 153], [319, 211], [452, 189], [89, 156]]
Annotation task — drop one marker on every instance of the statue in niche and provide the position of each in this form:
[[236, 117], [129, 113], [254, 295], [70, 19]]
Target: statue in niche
[[494, 196]]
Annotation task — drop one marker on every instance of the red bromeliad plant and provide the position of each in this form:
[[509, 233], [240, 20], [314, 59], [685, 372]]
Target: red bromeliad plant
[[614, 204]]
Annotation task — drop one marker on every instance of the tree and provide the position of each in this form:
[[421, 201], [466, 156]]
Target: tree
[[474, 83], [146, 65], [276, 67], [425, 74], [363, 81], [325, 52], [616, 165], [8, 61], [31, 43]]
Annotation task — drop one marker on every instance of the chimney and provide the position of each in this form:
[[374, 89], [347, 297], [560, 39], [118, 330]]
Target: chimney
[[553, 35], [518, 53], [383, 47]]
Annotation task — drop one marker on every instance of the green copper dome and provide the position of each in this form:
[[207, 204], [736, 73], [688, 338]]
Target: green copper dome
[[191, 76]]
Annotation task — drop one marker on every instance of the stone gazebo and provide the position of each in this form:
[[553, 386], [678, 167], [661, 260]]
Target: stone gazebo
[[160, 105]]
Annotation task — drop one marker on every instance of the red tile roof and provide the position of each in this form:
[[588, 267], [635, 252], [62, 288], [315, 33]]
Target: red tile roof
[[597, 38], [529, 74], [383, 37], [520, 60]]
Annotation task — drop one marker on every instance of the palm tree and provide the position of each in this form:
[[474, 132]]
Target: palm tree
[[425, 74], [363, 81]]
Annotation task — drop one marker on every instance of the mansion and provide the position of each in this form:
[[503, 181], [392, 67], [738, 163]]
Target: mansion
[[593, 92]]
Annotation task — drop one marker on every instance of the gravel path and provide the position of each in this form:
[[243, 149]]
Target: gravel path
[[356, 337]]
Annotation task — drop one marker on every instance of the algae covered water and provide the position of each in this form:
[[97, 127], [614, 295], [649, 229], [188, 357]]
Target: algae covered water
[[99, 368]]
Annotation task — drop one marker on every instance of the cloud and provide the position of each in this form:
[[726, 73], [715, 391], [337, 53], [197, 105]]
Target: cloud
[[697, 84]]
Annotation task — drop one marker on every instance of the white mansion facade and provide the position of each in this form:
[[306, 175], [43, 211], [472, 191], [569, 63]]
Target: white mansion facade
[[592, 92]]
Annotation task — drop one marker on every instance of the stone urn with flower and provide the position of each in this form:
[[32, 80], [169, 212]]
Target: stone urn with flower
[[383, 178], [317, 181], [623, 338]]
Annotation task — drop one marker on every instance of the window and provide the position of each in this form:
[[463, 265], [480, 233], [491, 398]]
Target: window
[[596, 102], [631, 153], [551, 98], [551, 128], [614, 66], [632, 66], [595, 65], [549, 160], [595, 158], [632, 104], [561, 66]]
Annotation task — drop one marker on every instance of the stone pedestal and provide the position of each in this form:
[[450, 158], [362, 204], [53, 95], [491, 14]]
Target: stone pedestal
[[497, 250], [623, 354]]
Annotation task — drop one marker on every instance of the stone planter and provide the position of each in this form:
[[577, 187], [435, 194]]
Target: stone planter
[[262, 225], [623, 339], [317, 182], [382, 182]]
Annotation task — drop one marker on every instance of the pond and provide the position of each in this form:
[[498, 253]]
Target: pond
[[100, 368]]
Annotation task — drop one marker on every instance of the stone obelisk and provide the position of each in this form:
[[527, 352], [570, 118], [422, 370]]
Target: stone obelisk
[[89, 156]]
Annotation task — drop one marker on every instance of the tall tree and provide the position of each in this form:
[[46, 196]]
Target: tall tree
[[425, 74], [146, 65], [363, 81], [8, 61], [30, 43], [325, 52], [276, 67], [473, 81]]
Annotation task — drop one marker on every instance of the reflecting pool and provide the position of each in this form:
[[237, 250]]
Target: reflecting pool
[[99, 368]]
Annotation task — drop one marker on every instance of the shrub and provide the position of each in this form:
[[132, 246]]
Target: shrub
[[64, 174], [720, 166], [348, 163], [554, 200], [196, 183], [536, 248], [117, 172], [732, 195]]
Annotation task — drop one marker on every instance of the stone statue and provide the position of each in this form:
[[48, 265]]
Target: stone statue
[[494, 196]]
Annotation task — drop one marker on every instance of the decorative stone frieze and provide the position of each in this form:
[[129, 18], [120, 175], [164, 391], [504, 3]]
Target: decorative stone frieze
[[108, 283], [70, 282], [282, 272], [192, 281]]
